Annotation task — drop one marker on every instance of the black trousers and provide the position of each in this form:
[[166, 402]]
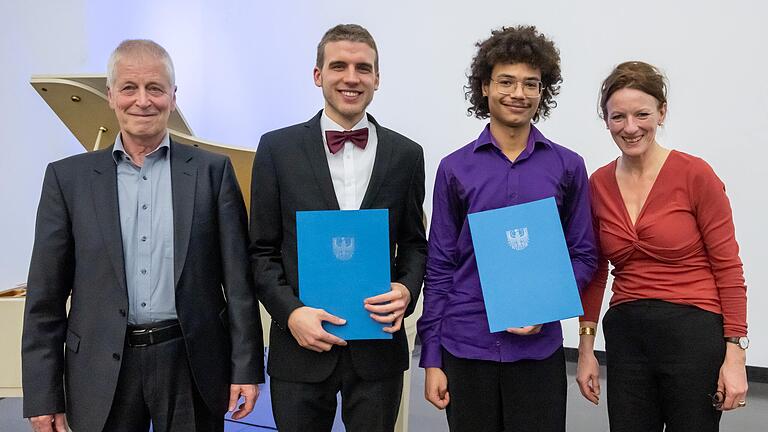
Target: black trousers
[[663, 363], [369, 406], [489, 396], [156, 384]]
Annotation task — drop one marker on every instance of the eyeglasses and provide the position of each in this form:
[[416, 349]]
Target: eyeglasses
[[508, 86], [717, 399]]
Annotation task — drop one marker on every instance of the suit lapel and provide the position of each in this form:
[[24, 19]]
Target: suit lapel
[[183, 185], [107, 210], [313, 148], [381, 164]]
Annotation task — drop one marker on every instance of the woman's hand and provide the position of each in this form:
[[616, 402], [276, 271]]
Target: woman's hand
[[588, 376], [732, 381], [588, 369]]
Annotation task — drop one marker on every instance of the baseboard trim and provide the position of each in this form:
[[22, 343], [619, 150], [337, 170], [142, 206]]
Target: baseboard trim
[[754, 373]]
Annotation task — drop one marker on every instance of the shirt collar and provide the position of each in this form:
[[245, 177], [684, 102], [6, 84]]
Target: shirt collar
[[327, 124], [535, 137], [118, 151]]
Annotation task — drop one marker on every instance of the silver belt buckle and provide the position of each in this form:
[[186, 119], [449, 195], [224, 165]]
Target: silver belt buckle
[[150, 332]]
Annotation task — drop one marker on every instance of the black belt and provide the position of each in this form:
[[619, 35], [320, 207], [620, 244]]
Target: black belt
[[145, 335]]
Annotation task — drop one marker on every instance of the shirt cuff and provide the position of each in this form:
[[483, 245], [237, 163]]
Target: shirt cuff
[[431, 355]]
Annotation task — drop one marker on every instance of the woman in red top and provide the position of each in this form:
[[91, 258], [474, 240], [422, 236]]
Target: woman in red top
[[664, 222]]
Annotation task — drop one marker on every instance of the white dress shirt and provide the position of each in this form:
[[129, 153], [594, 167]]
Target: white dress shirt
[[350, 167]]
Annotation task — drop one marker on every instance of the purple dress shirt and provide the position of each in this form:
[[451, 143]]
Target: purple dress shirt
[[479, 177]]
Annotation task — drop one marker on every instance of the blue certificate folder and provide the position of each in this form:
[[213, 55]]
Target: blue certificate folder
[[344, 259], [525, 270]]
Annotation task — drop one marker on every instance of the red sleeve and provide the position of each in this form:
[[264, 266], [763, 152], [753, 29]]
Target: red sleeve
[[715, 221], [592, 294]]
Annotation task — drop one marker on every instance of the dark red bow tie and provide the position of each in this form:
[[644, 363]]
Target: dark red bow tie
[[336, 139]]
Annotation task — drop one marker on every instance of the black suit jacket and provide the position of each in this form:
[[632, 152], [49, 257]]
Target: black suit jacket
[[290, 174], [78, 251]]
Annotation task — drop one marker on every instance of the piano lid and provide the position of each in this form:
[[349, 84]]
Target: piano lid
[[80, 101]]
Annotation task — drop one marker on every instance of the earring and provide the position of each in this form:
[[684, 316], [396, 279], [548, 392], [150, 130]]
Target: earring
[[661, 124]]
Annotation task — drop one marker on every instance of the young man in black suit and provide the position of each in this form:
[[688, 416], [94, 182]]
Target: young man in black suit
[[340, 159]]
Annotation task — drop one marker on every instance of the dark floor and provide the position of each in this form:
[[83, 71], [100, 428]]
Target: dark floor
[[582, 415]]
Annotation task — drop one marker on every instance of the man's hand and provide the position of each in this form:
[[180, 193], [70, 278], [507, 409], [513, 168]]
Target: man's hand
[[49, 423], [436, 387], [389, 308], [250, 392], [525, 331], [305, 324]]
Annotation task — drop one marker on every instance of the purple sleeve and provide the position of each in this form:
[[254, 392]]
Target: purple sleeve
[[577, 226], [441, 265]]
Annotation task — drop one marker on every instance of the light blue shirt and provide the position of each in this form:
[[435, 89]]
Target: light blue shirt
[[146, 222]]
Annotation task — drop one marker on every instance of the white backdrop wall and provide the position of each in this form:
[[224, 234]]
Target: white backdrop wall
[[244, 68]]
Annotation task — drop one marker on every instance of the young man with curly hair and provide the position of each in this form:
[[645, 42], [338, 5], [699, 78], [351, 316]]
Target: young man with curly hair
[[511, 380]]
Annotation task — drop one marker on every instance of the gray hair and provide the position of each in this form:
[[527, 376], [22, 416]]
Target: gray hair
[[133, 47]]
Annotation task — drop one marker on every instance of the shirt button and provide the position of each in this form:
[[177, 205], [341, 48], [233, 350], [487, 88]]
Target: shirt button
[[144, 207], [116, 356], [122, 312], [144, 177], [143, 271], [143, 304], [143, 238], [498, 343]]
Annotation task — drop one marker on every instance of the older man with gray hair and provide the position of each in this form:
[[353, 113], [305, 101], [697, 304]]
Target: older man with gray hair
[[148, 239]]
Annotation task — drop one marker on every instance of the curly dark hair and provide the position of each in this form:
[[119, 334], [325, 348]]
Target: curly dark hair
[[508, 45], [634, 75]]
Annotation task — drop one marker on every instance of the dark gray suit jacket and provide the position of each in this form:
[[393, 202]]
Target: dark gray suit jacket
[[290, 174], [78, 251]]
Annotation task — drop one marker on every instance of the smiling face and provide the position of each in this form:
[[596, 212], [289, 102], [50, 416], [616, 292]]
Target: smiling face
[[515, 109], [348, 78], [143, 98], [632, 118]]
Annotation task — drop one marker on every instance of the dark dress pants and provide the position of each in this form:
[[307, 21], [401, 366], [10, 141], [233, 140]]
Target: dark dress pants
[[663, 362], [369, 406], [156, 384], [489, 396]]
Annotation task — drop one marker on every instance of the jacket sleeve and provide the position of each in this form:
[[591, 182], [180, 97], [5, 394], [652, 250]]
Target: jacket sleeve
[[266, 233], [50, 280], [242, 307], [411, 237]]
